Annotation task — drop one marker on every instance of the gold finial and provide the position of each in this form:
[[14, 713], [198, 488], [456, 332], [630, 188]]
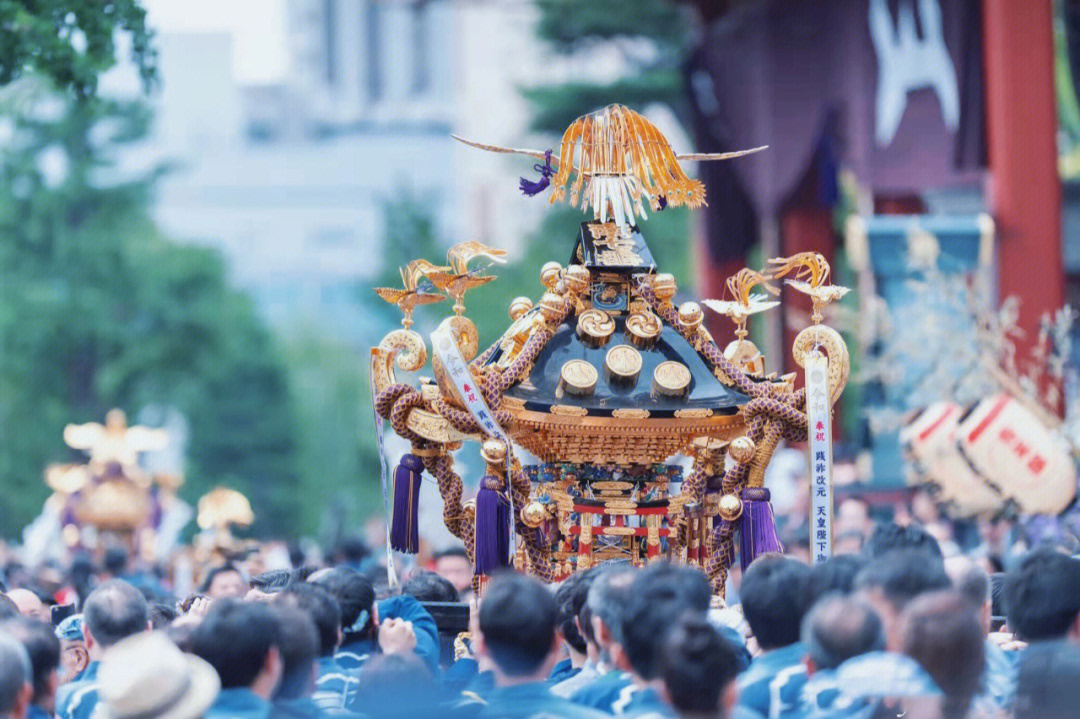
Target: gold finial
[[115, 441], [460, 280], [221, 507], [409, 298]]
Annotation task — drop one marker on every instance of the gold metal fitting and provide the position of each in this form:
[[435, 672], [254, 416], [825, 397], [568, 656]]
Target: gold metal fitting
[[578, 377], [551, 306], [729, 507], [664, 286], [671, 379], [595, 327], [493, 451], [534, 514], [742, 449], [643, 328], [549, 274], [690, 315], [519, 306], [577, 278], [623, 363]]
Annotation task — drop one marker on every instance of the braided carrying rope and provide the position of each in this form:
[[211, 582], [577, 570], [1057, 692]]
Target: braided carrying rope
[[395, 403], [770, 416]]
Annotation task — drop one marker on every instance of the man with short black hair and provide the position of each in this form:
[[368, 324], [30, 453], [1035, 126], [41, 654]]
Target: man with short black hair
[[835, 575], [572, 589], [453, 565], [775, 600], [224, 582], [516, 633], [113, 611], [574, 611], [698, 667], [264, 586], [394, 625], [16, 677], [889, 583], [660, 595], [298, 644], [892, 537], [605, 606], [1042, 596], [43, 648], [425, 586], [240, 640], [335, 689]]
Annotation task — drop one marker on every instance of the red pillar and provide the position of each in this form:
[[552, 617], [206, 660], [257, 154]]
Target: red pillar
[[1025, 190]]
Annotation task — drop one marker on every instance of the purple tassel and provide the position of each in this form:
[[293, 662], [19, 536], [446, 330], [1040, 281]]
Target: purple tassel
[[492, 549], [404, 530], [757, 531], [531, 188], [661, 202]]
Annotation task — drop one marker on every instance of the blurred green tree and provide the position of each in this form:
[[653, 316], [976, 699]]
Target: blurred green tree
[[71, 42], [97, 310], [651, 37]]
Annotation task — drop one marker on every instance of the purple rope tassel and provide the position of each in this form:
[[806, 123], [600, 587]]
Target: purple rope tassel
[[757, 531], [404, 529], [492, 527], [531, 188], [661, 202]]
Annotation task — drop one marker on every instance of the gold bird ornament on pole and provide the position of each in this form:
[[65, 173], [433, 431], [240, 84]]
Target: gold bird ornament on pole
[[461, 279], [410, 296], [615, 161]]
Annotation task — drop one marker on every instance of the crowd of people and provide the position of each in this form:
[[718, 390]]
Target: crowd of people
[[895, 630]]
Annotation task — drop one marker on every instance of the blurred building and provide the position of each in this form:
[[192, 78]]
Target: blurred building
[[289, 179]]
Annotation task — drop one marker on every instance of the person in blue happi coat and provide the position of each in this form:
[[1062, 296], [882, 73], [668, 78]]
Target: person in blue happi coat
[[516, 634], [112, 611], [775, 598], [240, 641], [43, 649], [362, 618], [335, 687]]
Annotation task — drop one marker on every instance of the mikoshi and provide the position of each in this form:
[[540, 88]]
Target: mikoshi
[[604, 380]]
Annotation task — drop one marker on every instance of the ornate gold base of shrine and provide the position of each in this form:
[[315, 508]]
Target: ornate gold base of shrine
[[604, 380]]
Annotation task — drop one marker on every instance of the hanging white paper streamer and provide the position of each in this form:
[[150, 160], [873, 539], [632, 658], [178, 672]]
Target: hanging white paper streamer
[[384, 480], [819, 417], [445, 347]]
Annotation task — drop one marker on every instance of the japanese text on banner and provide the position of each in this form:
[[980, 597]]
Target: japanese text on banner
[[819, 417]]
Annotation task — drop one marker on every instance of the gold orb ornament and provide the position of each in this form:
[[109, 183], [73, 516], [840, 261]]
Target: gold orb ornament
[[493, 451], [519, 306], [664, 286], [534, 514], [551, 306], [691, 315], [730, 507], [549, 274], [742, 449], [576, 278]]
